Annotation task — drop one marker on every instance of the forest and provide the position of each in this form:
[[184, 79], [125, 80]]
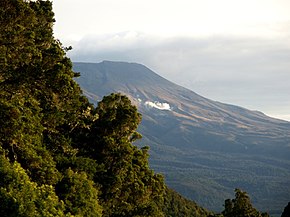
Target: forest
[[59, 154]]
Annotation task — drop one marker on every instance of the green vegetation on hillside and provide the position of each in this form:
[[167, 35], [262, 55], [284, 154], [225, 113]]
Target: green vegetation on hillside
[[59, 155], [241, 206]]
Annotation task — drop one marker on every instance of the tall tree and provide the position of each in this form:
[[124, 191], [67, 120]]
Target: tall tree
[[129, 187], [39, 101], [240, 206]]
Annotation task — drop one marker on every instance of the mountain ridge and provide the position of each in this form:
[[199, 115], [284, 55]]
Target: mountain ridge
[[186, 130]]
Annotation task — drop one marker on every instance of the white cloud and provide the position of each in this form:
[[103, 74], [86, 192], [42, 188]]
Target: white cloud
[[158, 105]]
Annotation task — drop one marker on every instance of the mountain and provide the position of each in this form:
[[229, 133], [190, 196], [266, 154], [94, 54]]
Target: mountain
[[204, 148]]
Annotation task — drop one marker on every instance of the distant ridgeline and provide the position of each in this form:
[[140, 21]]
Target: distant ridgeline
[[60, 155]]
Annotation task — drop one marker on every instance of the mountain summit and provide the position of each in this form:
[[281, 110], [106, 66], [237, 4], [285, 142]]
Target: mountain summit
[[204, 148]]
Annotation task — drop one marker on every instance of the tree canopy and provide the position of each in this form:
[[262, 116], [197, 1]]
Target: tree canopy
[[241, 206], [59, 155]]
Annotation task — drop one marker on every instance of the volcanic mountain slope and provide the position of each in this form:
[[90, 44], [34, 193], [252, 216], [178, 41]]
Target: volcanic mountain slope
[[204, 148]]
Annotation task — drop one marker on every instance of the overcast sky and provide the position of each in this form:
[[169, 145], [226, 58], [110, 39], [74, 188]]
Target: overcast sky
[[233, 51]]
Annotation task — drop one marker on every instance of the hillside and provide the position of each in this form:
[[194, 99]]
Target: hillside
[[204, 148], [61, 156]]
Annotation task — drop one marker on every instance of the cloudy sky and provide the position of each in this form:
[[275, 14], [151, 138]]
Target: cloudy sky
[[233, 51]]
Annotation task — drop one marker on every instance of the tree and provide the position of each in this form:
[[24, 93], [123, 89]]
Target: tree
[[39, 101], [240, 206], [79, 194], [286, 212], [128, 186], [21, 137], [40, 104], [19, 196], [229, 205]]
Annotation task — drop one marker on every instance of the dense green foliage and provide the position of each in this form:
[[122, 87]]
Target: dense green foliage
[[176, 205], [240, 206], [60, 156]]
